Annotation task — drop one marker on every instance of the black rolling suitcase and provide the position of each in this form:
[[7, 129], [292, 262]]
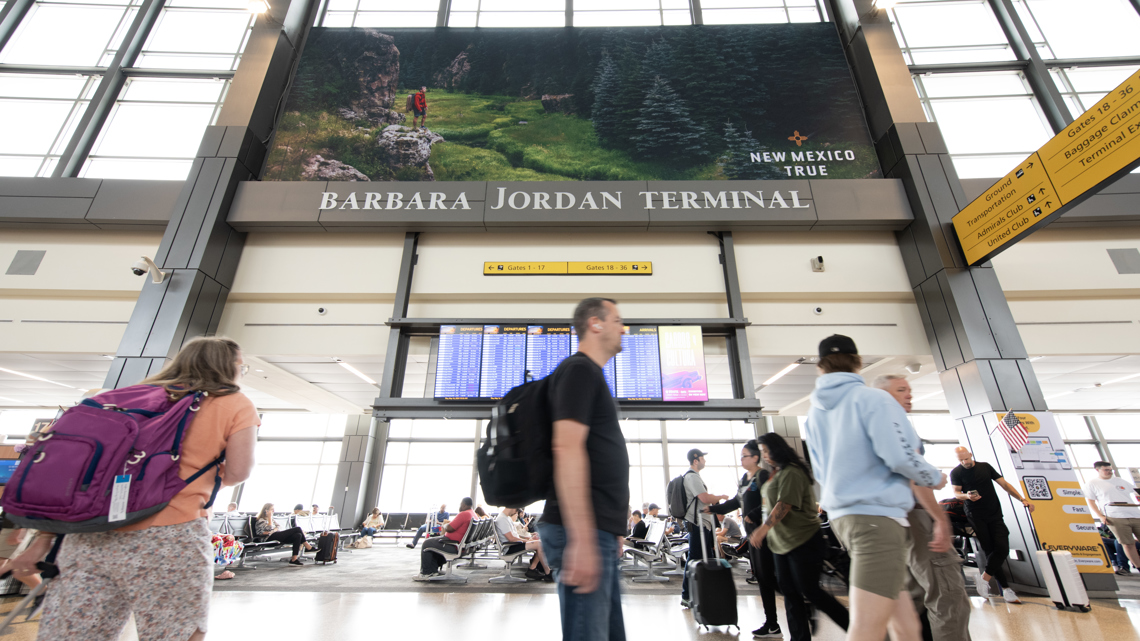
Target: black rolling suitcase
[[326, 547], [712, 590]]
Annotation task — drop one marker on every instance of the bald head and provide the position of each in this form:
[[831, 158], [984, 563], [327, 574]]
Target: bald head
[[965, 457]]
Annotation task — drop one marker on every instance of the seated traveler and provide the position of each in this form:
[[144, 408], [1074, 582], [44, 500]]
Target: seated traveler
[[441, 520], [267, 530], [640, 527], [729, 531], [299, 510], [372, 523], [453, 532], [512, 542]]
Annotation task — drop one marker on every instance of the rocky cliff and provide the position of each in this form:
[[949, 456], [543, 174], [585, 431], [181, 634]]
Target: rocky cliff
[[372, 62], [405, 147]]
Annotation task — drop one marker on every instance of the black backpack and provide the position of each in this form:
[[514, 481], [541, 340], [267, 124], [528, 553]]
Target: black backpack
[[516, 462], [675, 493]]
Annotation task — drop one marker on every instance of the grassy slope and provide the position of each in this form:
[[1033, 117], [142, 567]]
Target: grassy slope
[[486, 142]]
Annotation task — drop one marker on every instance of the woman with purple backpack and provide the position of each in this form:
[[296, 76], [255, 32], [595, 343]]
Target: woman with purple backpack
[[159, 568]]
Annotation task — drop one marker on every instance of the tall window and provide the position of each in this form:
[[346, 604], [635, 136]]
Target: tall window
[[427, 463], [380, 13], [297, 456]]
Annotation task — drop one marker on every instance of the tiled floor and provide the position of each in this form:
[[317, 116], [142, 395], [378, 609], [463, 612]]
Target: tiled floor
[[333, 616]]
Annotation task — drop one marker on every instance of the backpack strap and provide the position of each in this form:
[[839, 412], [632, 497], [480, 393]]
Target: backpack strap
[[90, 402], [194, 406], [216, 463]]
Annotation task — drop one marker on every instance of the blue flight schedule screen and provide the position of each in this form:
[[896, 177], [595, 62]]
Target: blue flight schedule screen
[[546, 347], [457, 365], [504, 359], [610, 371], [639, 365]]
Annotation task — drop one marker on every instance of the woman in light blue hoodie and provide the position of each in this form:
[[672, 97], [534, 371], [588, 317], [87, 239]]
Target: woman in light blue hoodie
[[865, 454]]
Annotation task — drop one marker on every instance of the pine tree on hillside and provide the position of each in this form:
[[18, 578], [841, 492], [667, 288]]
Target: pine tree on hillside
[[736, 161], [664, 128], [606, 85], [657, 63]]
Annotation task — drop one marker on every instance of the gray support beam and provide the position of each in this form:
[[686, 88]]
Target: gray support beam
[[695, 11], [443, 13], [1056, 111], [395, 358], [1135, 5], [976, 346], [569, 13], [740, 362], [103, 100], [10, 16], [199, 250], [354, 469]]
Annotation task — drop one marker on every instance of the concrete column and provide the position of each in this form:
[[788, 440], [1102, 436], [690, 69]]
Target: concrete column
[[982, 361], [200, 251], [355, 468]]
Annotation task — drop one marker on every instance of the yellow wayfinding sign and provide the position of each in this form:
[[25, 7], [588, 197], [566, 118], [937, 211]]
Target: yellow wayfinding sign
[[644, 268], [1102, 144]]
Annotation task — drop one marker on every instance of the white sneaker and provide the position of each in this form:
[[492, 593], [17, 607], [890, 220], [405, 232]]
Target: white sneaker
[[1010, 596], [982, 586]]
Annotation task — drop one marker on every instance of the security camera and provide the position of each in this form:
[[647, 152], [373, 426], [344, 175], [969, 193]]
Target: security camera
[[817, 311], [143, 265], [322, 311], [817, 264]]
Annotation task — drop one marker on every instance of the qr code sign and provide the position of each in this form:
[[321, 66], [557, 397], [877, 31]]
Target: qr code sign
[[1038, 488]]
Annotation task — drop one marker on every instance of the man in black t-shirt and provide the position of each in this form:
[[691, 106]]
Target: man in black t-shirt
[[584, 520], [974, 484]]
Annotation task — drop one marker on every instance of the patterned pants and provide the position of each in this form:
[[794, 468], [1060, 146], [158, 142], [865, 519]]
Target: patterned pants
[[162, 574]]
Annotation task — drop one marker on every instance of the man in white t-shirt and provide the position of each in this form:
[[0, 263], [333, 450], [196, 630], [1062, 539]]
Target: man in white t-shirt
[[512, 542], [1113, 501]]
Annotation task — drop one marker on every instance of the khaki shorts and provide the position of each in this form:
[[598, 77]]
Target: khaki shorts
[[1125, 530], [878, 546]]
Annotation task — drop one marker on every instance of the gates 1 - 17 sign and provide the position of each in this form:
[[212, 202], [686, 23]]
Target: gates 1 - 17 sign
[[1099, 146]]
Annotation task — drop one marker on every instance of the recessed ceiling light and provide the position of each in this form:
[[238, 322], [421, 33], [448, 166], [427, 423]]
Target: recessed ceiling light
[[359, 374], [780, 374], [35, 378], [5, 398], [259, 370]]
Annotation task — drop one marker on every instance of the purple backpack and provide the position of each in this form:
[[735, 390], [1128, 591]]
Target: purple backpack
[[65, 481]]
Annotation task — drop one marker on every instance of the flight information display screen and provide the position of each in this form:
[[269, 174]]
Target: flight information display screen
[[546, 347], [457, 367], [639, 365], [504, 359], [487, 361]]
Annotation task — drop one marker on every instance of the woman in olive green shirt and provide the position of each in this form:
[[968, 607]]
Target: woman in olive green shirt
[[793, 534]]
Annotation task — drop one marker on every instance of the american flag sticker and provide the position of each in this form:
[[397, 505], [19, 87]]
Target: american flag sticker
[[1013, 431]]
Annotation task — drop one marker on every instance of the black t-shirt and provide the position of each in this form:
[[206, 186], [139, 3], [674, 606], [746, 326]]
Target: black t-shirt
[[981, 477], [578, 392], [640, 530]]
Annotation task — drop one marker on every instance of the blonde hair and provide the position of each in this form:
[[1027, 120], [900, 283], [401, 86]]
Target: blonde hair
[[375, 511], [266, 513], [206, 364]]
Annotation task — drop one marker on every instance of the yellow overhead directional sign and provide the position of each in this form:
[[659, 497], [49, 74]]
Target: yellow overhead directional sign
[[1101, 145], [600, 267], [644, 268], [1007, 210], [525, 269]]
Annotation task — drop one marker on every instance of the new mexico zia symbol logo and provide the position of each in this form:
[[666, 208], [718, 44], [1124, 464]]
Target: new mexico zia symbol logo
[[798, 139]]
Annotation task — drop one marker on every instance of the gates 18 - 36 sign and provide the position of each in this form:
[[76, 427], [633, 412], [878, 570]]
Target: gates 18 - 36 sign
[[1098, 147]]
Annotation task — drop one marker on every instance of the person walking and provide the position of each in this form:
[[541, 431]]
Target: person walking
[[419, 108], [864, 451], [700, 524], [103, 576], [974, 484], [751, 503], [1112, 500], [792, 530], [936, 582], [584, 520]]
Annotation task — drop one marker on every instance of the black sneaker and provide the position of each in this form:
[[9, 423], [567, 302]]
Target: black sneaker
[[410, 546], [533, 574], [767, 631], [296, 562]]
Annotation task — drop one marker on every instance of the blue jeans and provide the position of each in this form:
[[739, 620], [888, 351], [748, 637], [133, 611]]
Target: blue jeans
[[367, 531], [419, 533], [587, 617]]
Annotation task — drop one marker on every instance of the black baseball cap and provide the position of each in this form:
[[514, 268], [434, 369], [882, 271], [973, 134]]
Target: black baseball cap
[[837, 344], [695, 454], [653, 506]]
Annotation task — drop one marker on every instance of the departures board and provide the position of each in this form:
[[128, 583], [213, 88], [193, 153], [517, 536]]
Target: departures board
[[486, 361]]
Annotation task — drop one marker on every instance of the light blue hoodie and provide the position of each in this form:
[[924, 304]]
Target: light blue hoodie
[[863, 449]]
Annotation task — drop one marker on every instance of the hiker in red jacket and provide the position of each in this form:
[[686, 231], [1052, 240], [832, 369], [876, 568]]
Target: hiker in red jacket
[[419, 108]]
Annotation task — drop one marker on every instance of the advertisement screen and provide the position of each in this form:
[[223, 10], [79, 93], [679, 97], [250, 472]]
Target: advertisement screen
[[683, 364], [457, 366], [724, 102], [504, 359]]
